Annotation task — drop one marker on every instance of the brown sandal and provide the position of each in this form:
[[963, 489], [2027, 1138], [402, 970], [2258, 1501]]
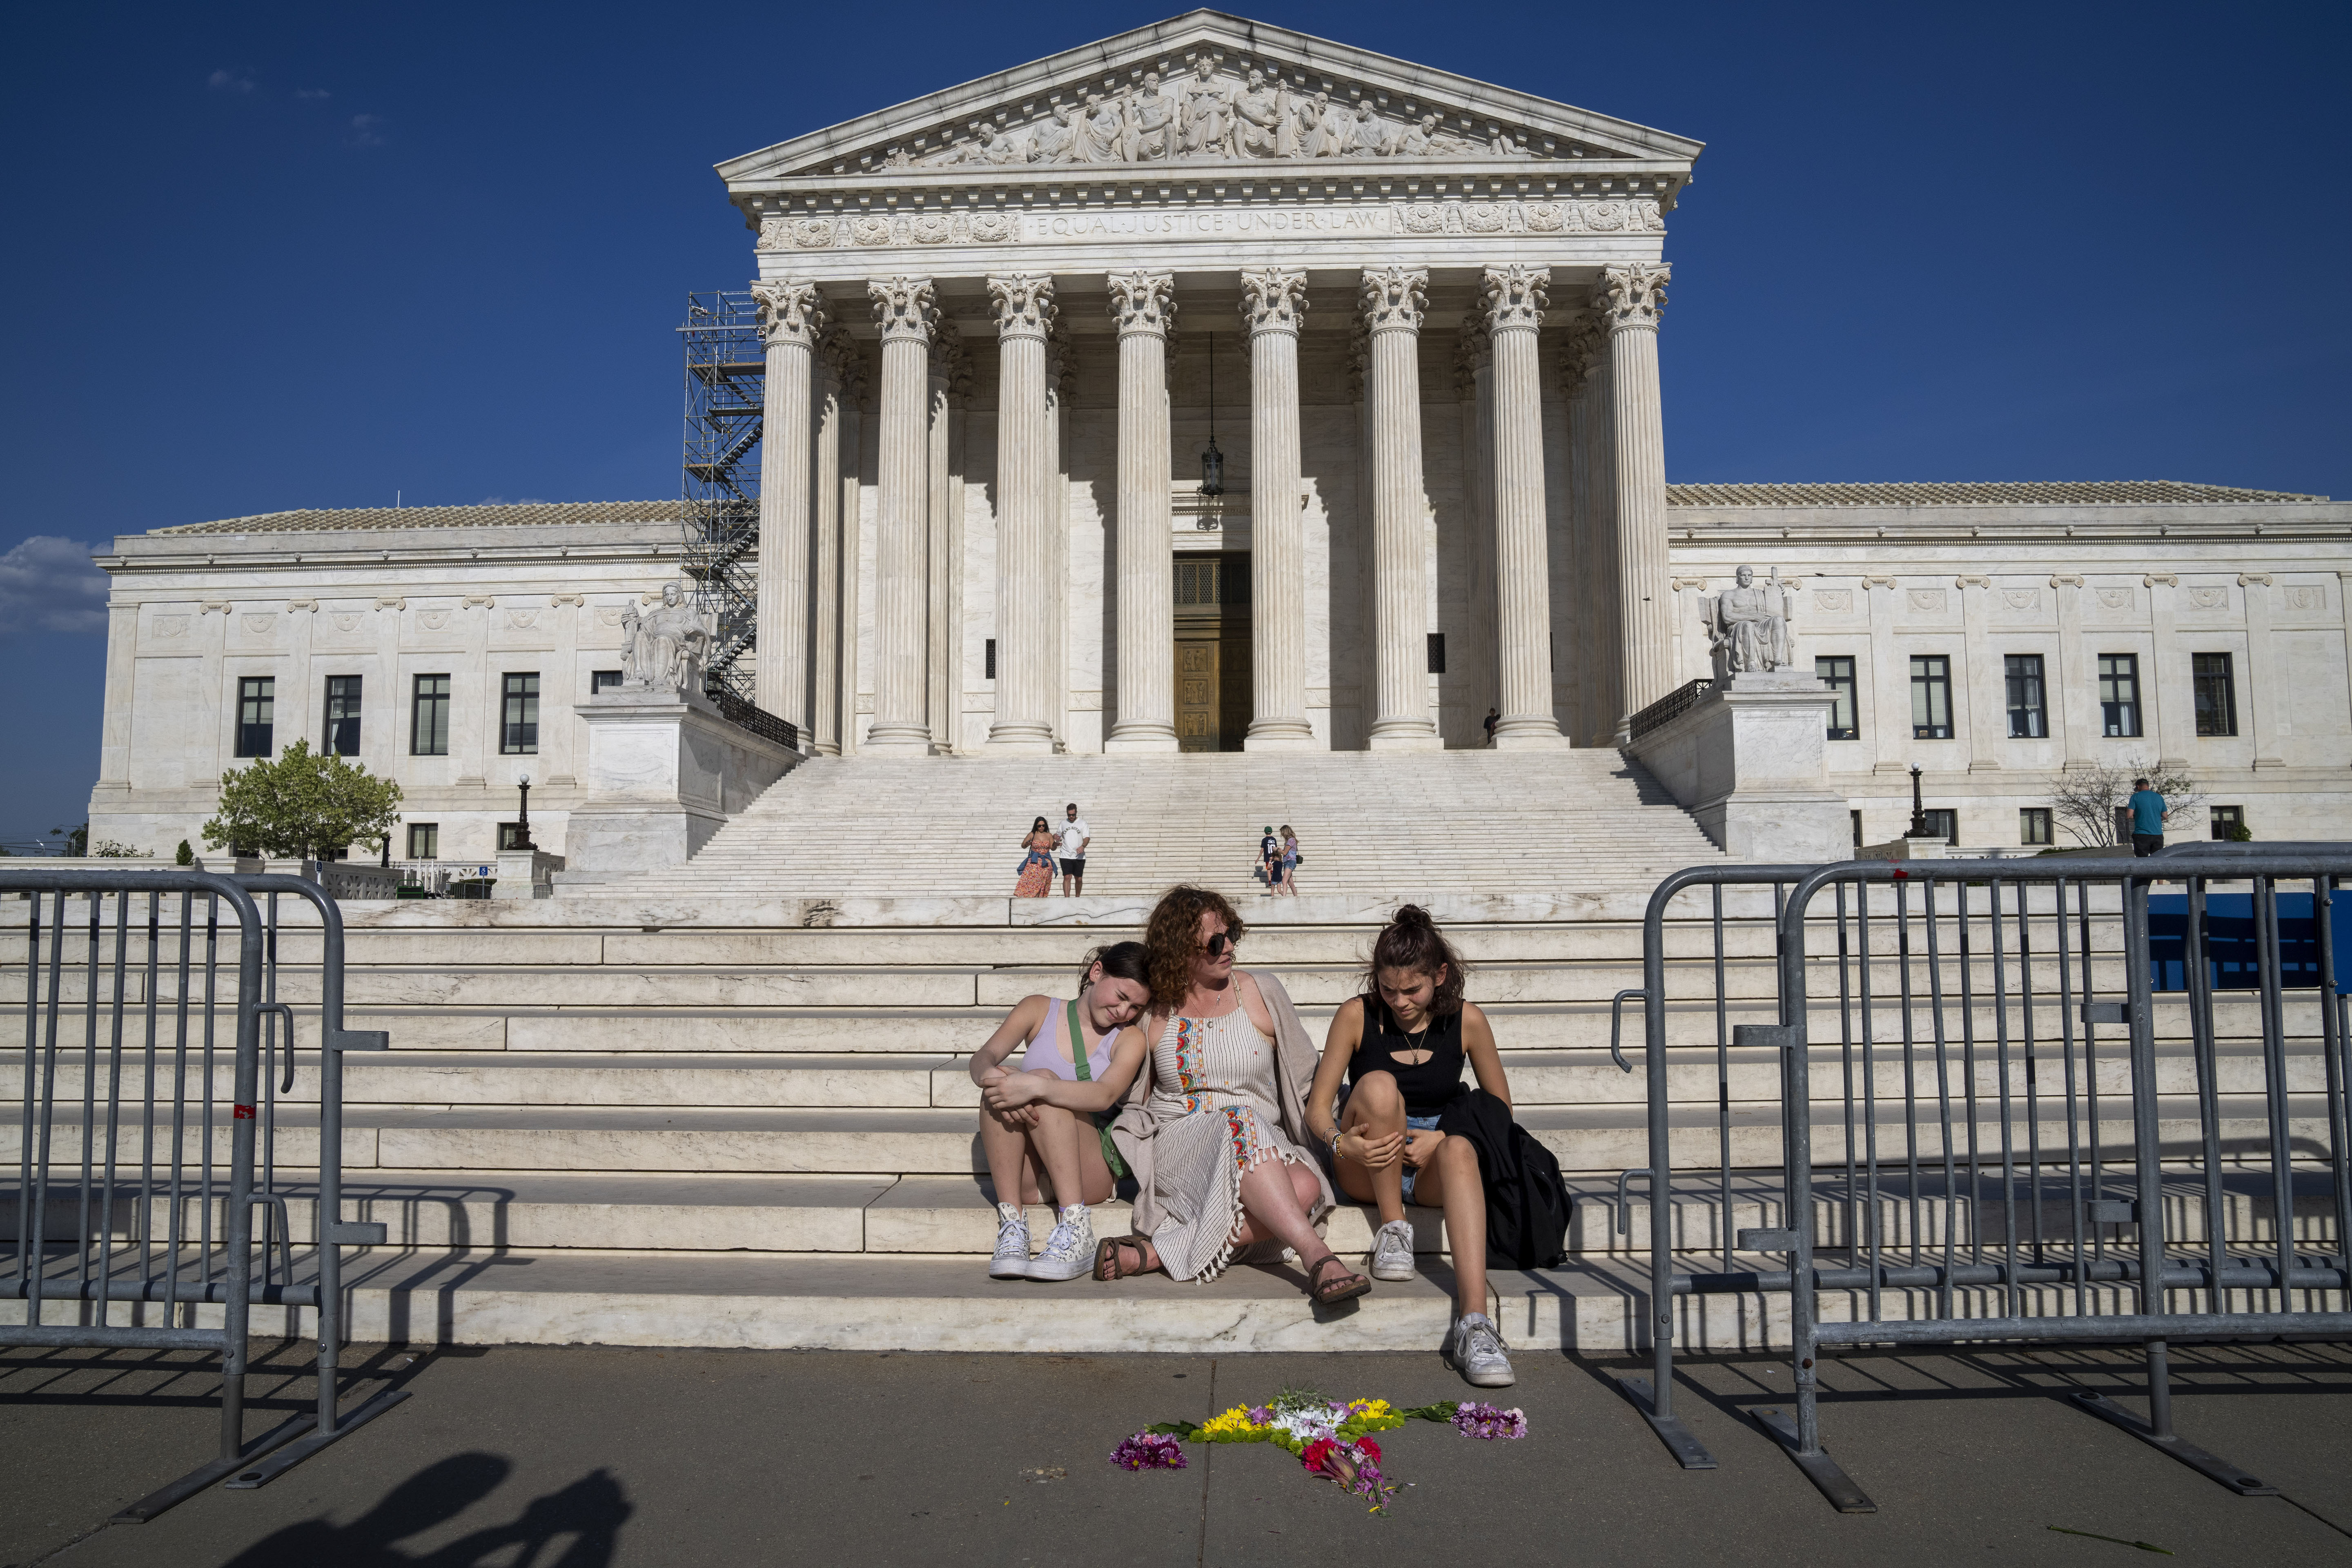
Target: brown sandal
[[1110, 1261], [1327, 1291]]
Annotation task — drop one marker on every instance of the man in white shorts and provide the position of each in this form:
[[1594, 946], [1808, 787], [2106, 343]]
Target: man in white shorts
[[1074, 837]]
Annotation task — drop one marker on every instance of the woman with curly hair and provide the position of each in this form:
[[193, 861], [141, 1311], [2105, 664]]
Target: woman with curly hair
[[1212, 1126]]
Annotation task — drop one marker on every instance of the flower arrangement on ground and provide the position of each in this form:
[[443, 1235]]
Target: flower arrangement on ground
[[1332, 1437]]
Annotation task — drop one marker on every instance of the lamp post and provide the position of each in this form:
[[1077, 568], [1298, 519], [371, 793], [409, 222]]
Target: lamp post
[[522, 827], [1918, 811], [1212, 462]]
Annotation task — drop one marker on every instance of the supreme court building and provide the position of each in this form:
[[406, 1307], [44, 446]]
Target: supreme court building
[[1217, 387]]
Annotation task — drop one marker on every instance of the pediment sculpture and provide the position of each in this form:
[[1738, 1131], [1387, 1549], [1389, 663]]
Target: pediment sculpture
[[666, 648], [1202, 116], [1748, 626]]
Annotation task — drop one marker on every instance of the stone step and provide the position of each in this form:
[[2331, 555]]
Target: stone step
[[944, 1141], [1594, 1305]]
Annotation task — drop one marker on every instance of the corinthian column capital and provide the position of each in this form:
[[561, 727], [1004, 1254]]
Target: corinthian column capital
[[790, 314], [1274, 300], [904, 308], [1024, 304], [1143, 302], [1395, 299], [1631, 296], [1514, 298]]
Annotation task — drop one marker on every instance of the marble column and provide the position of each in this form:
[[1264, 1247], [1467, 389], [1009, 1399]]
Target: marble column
[[1025, 315], [2262, 696], [940, 697], [1513, 300], [905, 310], [2078, 679], [1273, 303], [1394, 300], [837, 356], [1596, 659], [1473, 385], [1630, 299], [1985, 675], [1144, 305], [1061, 380], [2171, 684], [792, 316]]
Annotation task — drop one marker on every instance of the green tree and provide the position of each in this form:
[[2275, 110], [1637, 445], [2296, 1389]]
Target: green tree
[[76, 840], [302, 804], [183, 855]]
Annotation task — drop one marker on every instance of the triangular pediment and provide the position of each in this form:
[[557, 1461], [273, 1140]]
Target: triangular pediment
[[1206, 89]]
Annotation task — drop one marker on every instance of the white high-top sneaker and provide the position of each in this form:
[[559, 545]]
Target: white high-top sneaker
[[1012, 1259], [1070, 1250]]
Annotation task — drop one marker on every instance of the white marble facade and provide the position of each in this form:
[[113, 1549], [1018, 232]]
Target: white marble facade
[[1431, 306]]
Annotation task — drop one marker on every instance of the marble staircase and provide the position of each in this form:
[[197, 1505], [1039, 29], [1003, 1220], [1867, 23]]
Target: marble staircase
[[1384, 824], [718, 1121]]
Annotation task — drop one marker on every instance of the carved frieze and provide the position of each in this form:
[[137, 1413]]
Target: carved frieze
[[1929, 600], [259, 626], [2117, 598], [169, 627], [2021, 598], [345, 622], [1836, 600], [2208, 598], [1062, 225], [2305, 599]]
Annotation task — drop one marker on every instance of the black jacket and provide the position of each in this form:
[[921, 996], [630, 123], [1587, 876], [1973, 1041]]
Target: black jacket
[[1527, 1204]]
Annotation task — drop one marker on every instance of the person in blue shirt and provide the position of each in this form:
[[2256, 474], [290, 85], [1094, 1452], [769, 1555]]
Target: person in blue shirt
[[2147, 815]]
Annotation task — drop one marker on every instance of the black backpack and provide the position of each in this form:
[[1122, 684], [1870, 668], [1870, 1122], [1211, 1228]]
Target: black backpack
[[1527, 1206]]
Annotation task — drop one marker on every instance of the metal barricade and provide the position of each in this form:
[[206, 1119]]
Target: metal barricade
[[137, 1187], [2028, 1141]]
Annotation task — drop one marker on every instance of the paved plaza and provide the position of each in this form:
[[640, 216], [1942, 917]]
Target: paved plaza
[[538, 1455]]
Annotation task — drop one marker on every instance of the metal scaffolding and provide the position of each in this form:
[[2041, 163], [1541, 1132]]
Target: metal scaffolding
[[725, 382]]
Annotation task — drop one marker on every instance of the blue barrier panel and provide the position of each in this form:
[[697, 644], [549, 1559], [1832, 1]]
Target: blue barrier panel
[[2230, 945]]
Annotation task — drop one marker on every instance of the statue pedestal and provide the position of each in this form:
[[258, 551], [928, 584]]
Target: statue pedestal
[[525, 874], [664, 772], [1749, 760]]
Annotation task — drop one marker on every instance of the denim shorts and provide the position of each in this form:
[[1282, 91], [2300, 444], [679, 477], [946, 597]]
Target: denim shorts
[[1411, 1123]]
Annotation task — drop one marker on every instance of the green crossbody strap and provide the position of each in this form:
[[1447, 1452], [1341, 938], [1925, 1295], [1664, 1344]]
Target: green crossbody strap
[[1078, 1047]]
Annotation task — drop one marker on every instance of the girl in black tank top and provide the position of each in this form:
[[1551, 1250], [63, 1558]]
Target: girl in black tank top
[[1426, 1085]]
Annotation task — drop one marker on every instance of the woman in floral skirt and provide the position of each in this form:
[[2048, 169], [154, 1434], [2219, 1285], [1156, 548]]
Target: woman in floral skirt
[[1036, 878]]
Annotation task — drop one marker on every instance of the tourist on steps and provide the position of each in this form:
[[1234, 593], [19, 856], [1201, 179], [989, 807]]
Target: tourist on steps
[[1212, 1126], [1400, 1046], [1289, 862], [1269, 860], [1036, 874], [1040, 1116], [1076, 836]]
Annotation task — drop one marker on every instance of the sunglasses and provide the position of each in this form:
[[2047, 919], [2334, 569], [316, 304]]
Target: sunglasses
[[1219, 942]]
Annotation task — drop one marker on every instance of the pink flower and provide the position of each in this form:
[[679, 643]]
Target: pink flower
[[1472, 1419], [1149, 1451]]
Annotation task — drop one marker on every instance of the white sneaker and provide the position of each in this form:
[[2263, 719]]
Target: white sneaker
[[1070, 1250], [1392, 1251], [1475, 1349], [1012, 1259]]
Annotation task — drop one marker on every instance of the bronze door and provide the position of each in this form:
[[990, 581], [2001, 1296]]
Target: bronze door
[[1213, 651]]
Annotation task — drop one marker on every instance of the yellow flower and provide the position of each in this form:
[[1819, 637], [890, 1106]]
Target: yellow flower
[[1233, 1424]]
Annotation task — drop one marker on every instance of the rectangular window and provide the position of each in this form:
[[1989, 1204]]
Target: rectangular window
[[2228, 820], [520, 730], [257, 701], [1857, 827], [2033, 825], [424, 841], [2217, 693], [1943, 824], [1837, 674], [2027, 719], [604, 680], [1437, 653], [988, 660], [429, 717], [1931, 697], [344, 715], [2119, 694]]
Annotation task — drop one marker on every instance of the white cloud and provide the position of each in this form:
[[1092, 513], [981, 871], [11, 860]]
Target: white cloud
[[50, 584], [313, 94], [230, 81], [368, 130]]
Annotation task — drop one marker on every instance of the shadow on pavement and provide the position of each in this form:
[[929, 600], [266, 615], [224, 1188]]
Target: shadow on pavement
[[586, 1516]]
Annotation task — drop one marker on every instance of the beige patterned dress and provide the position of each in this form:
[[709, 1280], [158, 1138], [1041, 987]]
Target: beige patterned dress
[[1214, 1112]]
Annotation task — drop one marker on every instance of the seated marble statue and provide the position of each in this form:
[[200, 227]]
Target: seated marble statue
[[1749, 626], [666, 648]]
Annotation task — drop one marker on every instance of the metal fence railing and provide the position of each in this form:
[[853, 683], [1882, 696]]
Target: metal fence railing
[[2009, 1106], [158, 1064]]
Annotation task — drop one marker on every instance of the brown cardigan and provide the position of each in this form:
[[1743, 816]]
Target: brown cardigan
[[1294, 1058]]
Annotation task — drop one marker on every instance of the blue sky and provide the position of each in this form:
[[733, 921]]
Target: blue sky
[[276, 257]]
